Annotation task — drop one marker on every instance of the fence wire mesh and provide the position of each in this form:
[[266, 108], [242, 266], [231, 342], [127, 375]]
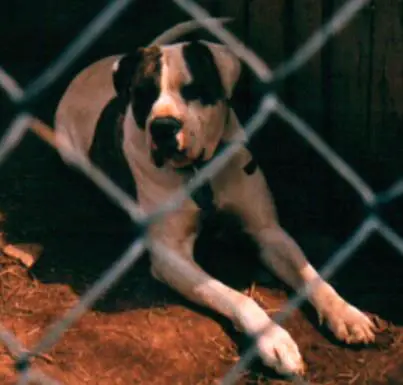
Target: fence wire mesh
[[269, 104]]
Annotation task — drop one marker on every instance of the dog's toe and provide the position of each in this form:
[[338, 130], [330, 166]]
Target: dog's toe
[[350, 324], [279, 351]]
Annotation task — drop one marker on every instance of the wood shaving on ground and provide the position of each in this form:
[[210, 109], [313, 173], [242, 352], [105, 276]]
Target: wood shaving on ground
[[25, 253]]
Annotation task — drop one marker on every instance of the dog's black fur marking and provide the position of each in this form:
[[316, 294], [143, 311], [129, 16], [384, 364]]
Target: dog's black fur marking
[[146, 87], [107, 147], [137, 81], [251, 167], [123, 75], [206, 85]]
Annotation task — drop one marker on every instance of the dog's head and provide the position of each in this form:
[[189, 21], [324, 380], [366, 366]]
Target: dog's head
[[179, 95]]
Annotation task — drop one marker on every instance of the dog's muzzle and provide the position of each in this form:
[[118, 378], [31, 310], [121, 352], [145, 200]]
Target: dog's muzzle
[[163, 133], [164, 138]]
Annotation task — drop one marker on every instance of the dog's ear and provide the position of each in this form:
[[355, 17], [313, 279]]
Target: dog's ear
[[228, 65], [123, 73]]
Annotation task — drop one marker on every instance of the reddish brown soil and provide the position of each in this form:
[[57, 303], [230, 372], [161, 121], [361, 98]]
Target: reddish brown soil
[[152, 338]]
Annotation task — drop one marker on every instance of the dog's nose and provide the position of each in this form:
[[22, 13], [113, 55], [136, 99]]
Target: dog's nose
[[163, 130]]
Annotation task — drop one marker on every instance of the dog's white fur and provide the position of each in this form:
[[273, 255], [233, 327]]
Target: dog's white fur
[[246, 195]]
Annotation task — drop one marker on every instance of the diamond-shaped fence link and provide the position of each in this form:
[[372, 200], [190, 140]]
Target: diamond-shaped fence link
[[269, 104]]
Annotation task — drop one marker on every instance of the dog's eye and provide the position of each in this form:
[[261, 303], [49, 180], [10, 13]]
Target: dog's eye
[[144, 98], [191, 92]]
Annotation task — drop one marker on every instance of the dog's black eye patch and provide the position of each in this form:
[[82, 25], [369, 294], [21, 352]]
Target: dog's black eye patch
[[144, 96], [206, 85], [190, 92], [194, 91]]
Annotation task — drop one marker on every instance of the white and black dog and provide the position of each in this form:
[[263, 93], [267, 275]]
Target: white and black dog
[[175, 114]]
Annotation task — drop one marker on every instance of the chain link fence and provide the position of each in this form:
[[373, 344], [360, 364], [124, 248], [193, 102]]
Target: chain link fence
[[269, 104]]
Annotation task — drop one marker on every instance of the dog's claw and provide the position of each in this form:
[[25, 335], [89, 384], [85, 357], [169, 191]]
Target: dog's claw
[[279, 351], [350, 324]]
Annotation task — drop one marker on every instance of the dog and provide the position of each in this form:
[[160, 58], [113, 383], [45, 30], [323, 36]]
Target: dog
[[175, 117]]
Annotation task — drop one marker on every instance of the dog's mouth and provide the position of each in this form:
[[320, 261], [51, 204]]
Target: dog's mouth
[[169, 153]]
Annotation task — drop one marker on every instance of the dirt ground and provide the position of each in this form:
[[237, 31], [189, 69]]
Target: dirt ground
[[151, 337], [141, 332]]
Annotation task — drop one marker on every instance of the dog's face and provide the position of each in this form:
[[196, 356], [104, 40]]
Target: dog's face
[[178, 94]]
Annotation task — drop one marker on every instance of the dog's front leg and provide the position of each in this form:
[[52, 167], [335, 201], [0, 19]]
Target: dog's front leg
[[281, 254], [178, 269], [248, 195]]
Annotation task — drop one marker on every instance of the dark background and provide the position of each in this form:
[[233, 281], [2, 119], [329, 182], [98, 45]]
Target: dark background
[[350, 92]]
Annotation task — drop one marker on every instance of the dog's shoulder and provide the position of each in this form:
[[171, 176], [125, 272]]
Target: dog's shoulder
[[83, 101]]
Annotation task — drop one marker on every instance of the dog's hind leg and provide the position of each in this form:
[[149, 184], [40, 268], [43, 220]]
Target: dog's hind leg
[[276, 347]]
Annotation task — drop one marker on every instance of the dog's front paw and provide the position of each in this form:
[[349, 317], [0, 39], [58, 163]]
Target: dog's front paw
[[276, 347], [349, 324], [279, 351]]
